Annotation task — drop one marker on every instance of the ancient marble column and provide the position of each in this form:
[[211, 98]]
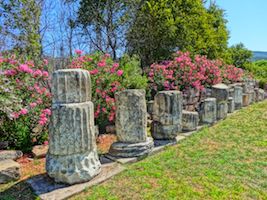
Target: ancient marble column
[[238, 97], [167, 115], [245, 99], [131, 123], [190, 120], [231, 105], [72, 156], [208, 111], [261, 95], [221, 93]]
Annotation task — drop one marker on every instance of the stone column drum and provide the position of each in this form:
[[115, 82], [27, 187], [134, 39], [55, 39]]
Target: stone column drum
[[72, 156], [131, 123], [238, 97], [190, 120], [245, 99], [221, 93], [167, 115], [208, 111], [231, 105]]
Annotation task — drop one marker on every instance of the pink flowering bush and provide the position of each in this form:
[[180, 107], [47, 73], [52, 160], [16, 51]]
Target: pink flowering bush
[[108, 77], [231, 74], [184, 72], [25, 102]]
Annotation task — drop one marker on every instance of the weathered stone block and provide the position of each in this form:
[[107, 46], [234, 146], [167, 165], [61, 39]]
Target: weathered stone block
[[72, 129], [9, 171], [75, 168], [220, 92], [245, 100], [208, 111], [191, 96], [71, 86], [131, 116], [127, 150], [168, 108], [231, 105], [256, 90], [39, 151], [10, 154], [222, 110], [131, 123], [238, 97], [261, 95], [252, 96], [164, 132], [190, 120], [150, 106]]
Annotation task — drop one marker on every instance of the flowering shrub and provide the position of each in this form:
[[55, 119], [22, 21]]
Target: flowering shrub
[[25, 102], [185, 72], [232, 74], [108, 77]]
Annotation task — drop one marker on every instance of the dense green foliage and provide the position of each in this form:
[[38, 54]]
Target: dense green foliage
[[161, 27], [25, 102], [259, 70], [239, 56]]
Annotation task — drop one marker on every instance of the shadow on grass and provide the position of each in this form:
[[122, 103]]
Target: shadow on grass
[[18, 191]]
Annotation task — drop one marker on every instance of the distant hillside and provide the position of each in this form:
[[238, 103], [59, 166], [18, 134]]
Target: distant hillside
[[259, 55]]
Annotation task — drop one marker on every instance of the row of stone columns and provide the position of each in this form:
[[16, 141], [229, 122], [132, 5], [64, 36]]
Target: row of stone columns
[[72, 156]]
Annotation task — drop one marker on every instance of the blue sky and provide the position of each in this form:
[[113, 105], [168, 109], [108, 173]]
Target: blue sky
[[247, 22]]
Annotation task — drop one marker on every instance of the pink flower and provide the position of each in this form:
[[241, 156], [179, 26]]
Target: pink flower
[[15, 115], [47, 111], [78, 52], [10, 72], [45, 62], [45, 74], [43, 121], [94, 71], [107, 55], [37, 73], [23, 111], [46, 143], [25, 68], [116, 65], [101, 64], [120, 72], [32, 105], [39, 101]]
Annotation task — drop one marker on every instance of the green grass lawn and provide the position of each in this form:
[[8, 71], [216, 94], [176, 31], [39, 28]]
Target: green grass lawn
[[227, 161]]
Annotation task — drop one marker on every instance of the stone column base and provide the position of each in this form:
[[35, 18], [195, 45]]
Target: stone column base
[[165, 132], [71, 169], [128, 150]]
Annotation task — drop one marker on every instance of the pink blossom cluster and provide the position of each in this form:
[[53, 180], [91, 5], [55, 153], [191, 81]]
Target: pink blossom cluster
[[232, 74], [184, 72], [31, 87], [106, 78]]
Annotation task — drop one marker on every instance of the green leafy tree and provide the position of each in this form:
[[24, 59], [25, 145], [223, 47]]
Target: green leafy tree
[[20, 22], [164, 26], [239, 56]]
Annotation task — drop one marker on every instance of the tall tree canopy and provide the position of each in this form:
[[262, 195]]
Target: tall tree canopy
[[20, 26], [163, 26]]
